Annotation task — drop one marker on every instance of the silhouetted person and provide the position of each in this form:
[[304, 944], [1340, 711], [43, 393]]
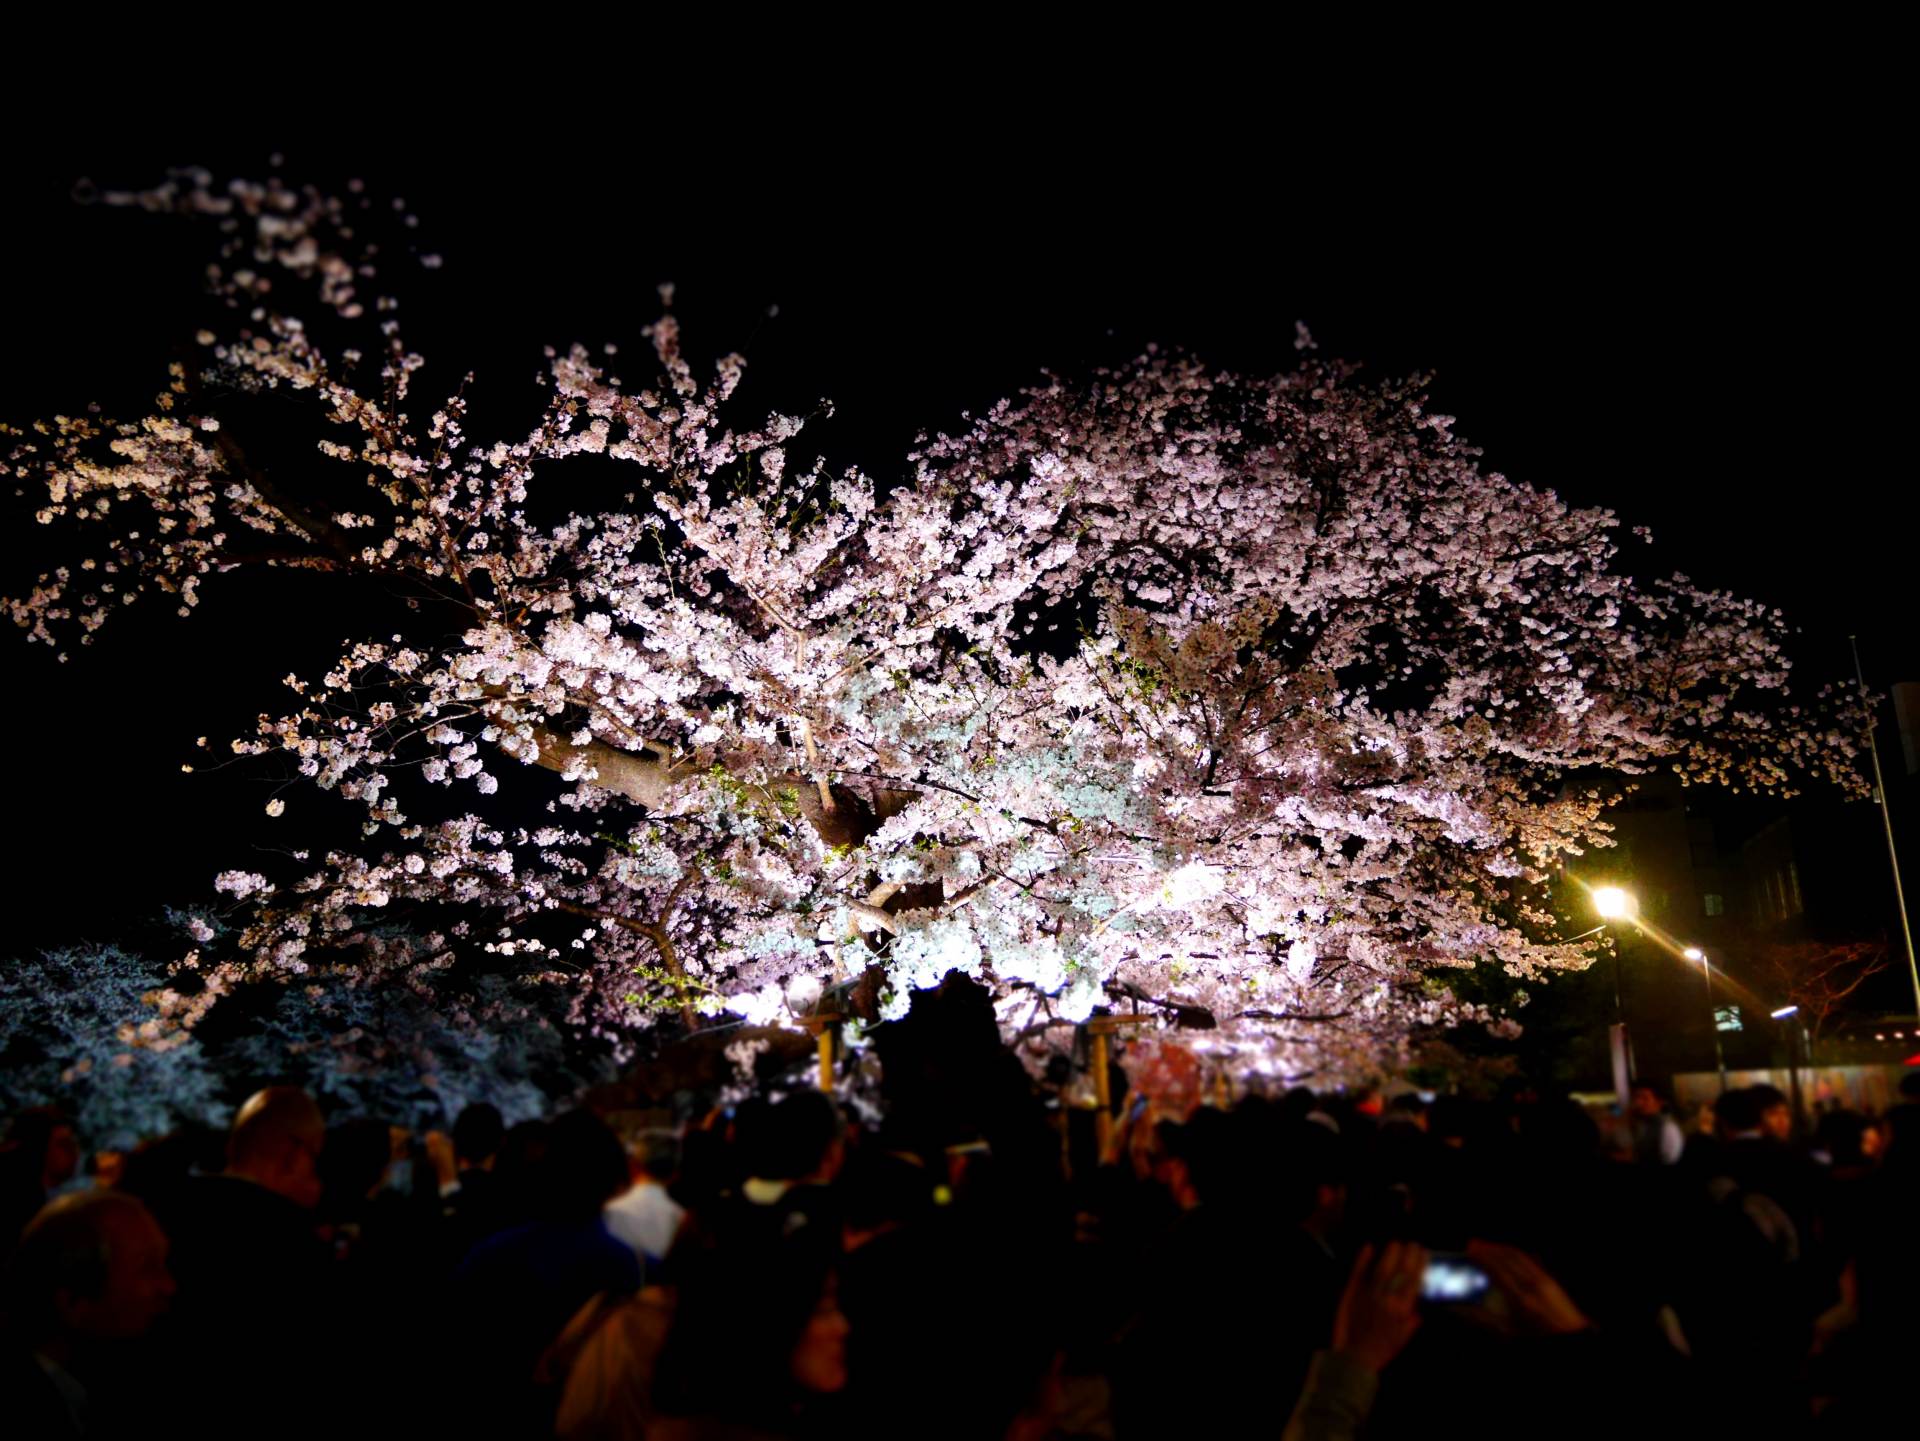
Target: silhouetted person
[[472, 1197], [87, 1282], [1743, 1298], [516, 1291], [254, 1277], [1657, 1137], [38, 1155], [158, 1167], [1251, 1173], [756, 1346], [645, 1215]]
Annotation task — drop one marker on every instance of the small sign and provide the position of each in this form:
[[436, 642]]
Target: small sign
[[1726, 1018]]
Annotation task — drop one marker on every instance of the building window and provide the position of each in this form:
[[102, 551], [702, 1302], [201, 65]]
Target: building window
[[1716, 905]]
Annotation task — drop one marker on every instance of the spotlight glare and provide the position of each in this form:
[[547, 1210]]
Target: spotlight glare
[[1694, 953], [1612, 903]]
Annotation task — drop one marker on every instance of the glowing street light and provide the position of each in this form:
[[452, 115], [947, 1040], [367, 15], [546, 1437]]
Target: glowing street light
[[1694, 953], [1784, 1012], [1612, 903]]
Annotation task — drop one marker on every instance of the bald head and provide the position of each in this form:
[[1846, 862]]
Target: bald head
[[89, 1268], [276, 1141]]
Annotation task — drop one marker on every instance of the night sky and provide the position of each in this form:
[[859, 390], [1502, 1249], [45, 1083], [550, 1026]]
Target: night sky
[[1708, 335]]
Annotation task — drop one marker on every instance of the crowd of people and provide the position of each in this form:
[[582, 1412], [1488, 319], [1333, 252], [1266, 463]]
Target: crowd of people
[[1296, 1265]]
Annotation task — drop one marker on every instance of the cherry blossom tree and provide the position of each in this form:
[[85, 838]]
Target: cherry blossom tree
[[1253, 702]]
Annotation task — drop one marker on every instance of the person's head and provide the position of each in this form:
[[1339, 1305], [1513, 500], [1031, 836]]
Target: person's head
[[1842, 1135], [1646, 1102], [1740, 1111], [160, 1166], [1166, 1162], [1407, 1109], [353, 1161], [653, 1152], [276, 1142], [797, 1140], [585, 1167], [1900, 1136], [1201, 1159], [1456, 1121], [881, 1191], [45, 1142], [1873, 1141], [1560, 1132], [1314, 1173], [1776, 1112], [90, 1269], [477, 1133]]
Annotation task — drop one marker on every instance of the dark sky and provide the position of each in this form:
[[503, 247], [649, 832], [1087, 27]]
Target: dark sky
[[1707, 330]]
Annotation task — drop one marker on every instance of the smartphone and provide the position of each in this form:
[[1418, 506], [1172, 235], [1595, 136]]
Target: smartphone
[[1452, 1280]]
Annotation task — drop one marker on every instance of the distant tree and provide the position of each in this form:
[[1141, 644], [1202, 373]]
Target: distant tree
[[78, 1030], [1255, 701], [1819, 976], [94, 1030]]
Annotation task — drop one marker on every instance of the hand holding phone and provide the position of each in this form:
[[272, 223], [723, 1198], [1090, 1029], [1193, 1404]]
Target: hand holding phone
[[1380, 1310], [1530, 1300]]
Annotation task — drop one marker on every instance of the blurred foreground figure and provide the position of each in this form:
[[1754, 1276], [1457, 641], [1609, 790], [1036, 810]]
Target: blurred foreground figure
[[254, 1279], [515, 1291], [88, 1280], [37, 1156]]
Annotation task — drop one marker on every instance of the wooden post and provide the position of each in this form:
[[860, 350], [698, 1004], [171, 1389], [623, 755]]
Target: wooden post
[[1099, 1028], [1102, 1096], [825, 1026]]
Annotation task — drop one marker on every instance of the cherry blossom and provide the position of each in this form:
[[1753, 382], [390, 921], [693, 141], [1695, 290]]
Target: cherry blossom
[[1255, 702]]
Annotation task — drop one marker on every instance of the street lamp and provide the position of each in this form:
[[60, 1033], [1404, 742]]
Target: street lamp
[[1694, 953], [1794, 1053], [1615, 904], [1612, 903]]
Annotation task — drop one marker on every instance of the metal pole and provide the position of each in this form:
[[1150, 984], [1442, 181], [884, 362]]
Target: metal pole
[[1713, 1023], [1886, 819], [1799, 1055], [1619, 1044]]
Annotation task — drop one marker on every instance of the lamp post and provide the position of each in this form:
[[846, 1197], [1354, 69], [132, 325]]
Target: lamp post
[[1614, 904], [1790, 1013], [1694, 953], [1886, 822]]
